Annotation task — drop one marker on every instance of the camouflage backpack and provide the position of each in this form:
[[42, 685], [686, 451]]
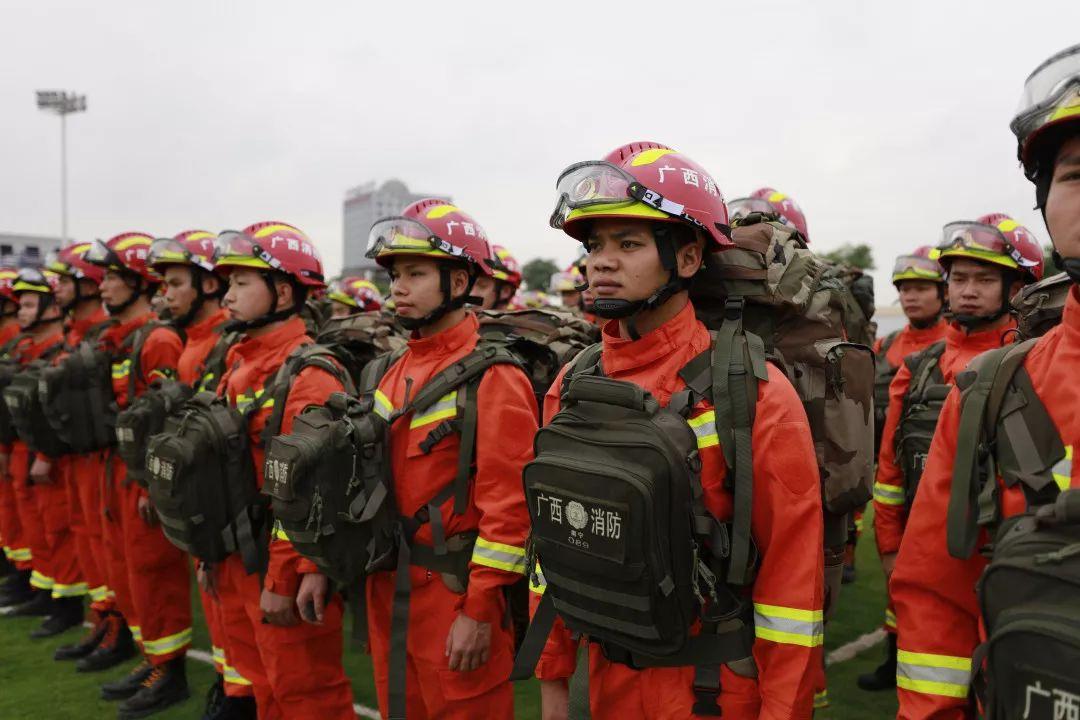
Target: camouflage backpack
[[1039, 307], [855, 291], [357, 339], [800, 307]]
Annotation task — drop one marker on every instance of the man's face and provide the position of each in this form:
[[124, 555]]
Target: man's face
[[65, 290], [623, 263], [919, 300], [340, 309], [486, 289], [1063, 201], [180, 294], [975, 288], [28, 307], [248, 297], [114, 289], [416, 289]]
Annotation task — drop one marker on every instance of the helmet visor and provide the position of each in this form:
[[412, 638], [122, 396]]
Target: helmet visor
[[913, 267], [236, 249], [590, 183], [167, 251], [410, 237], [974, 236], [31, 280], [338, 292], [101, 254], [741, 207], [1053, 88]]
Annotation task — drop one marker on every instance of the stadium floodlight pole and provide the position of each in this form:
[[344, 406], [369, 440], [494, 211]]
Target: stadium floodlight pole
[[63, 104]]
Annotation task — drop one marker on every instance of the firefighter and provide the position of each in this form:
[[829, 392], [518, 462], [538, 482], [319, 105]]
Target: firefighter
[[295, 669], [497, 290], [459, 647], [644, 246], [933, 584], [351, 295]]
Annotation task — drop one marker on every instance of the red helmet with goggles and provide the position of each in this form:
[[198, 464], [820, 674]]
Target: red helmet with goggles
[[919, 265], [995, 238], [431, 228], [124, 253], [71, 261], [191, 247], [271, 246]]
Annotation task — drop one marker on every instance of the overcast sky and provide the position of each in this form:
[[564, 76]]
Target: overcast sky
[[883, 120]]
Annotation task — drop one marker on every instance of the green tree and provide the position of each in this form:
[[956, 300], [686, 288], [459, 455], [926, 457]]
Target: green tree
[[537, 273], [860, 256], [1052, 268]]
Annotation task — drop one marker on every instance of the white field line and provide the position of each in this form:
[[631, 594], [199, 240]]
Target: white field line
[[855, 647]]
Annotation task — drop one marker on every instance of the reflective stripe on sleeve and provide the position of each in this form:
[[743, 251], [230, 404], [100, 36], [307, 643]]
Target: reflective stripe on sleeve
[[444, 409], [890, 618], [704, 427], [168, 644], [121, 369], [232, 676], [499, 556], [67, 591], [41, 581], [930, 674], [1063, 469], [889, 494], [383, 407], [791, 626]]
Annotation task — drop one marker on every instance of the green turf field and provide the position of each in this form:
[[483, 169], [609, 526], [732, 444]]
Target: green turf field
[[33, 686]]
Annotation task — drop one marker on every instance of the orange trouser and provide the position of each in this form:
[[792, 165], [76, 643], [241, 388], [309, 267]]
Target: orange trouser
[[432, 689], [296, 671], [26, 505], [149, 570], [11, 534], [236, 685], [85, 473], [54, 511]]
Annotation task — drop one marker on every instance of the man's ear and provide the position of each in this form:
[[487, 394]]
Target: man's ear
[[459, 282], [285, 294], [689, 257], [211, 284]]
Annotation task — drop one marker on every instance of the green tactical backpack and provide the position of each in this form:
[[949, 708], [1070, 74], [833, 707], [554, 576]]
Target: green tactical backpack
[[919, 415], [27, 415], [883, 377], [1039, 307], [76, 395], [1029, 592], [629, 554], [801, 307], [9, 367], [202, 476]]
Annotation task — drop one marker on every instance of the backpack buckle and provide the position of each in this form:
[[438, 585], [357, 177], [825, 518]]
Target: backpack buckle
[[733, 308]]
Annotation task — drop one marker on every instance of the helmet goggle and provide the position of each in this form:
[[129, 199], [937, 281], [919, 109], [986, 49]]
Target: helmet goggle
[[407, 236], [1051, 93], [31, 280], [101, 254], [168, 251], [982, 239], [339, 292], [236, 249], [914, 267], [58, 266], [596, 182], [741, 207]]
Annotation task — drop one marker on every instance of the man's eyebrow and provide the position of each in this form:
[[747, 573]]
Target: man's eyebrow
[[1070, 159]]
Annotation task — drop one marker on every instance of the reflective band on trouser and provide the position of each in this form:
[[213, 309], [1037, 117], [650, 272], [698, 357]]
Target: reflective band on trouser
[[73, 590], [537, 583], [933, 674], [136, 632], [704, 427], [233, 677], [890, 618], [821, 700], [19, 555], [1063, 470], [40, 581], [444, 409], [499, 556], [218, 656], [889, 494], [790, 626], [99, 594], [383, 407], [168, 644]]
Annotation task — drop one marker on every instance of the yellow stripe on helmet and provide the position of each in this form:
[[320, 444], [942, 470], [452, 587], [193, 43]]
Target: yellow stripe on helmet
[[622, 209], [648, 157], [440, 211], [279, 227], [133, 242], [242, 261], [979, 255]]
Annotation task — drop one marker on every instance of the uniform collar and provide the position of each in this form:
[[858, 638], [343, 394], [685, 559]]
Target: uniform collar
[[448, 340], [989, 339], [623, 354], [926, 335], [35, 348], [198, 331], [80, 326], [119, 332], [265, 345]]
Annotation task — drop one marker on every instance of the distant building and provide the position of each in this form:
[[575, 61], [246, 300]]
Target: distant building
[[364, 204], [23, 250]]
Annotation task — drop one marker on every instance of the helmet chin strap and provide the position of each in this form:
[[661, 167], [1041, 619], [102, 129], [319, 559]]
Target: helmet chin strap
[[448, 303], [78, 297], [44, 302], [201, 298], [137, 291], [971, 323]]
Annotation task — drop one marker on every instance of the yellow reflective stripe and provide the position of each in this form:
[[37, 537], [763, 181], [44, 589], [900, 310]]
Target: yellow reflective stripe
[[245, 401], [136, 632], [383, 407], [66, 591], [168, 644], [41, 581], [704, 427], [1063, 469], [163, 373], [889, 494], [499, 556], [21, 555], [537, 582], [218, 654], [99, 594], [931, 674], [790, 626], [121, 370], [445, 408], [821, 700], [859, 522], [279, 532], [890, 618], [233, 676]]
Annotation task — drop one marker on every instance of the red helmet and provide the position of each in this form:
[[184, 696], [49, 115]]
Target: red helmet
[[8, 276], [33, 280], [126, 252], [271, 245], [995, 238], [657, 184], [190, 247], [71, 261], [505, 266], [621, 153], [919, 265], [356, 292], [431, 228], [783, 205], [1051, 99]]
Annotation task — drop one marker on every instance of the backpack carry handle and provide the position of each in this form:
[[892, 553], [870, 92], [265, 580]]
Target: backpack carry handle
[[593, 388], [1064, 511]]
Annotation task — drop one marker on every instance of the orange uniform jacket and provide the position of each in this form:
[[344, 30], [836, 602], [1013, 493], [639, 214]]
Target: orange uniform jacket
[[890, 512], [786, 525], [934, 592], [908, 340], [200, 339]]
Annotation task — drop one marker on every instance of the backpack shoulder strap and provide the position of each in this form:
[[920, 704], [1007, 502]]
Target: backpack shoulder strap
[[587, 362], [887, 343], [983, 386], [138, 341], [213, 367], [308, 355], [925, 369]]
